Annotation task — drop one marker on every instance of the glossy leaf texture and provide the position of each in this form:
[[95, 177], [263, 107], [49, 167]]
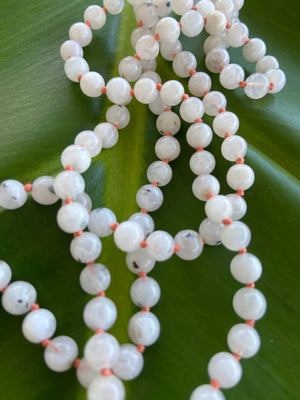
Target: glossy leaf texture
[[41, 113]]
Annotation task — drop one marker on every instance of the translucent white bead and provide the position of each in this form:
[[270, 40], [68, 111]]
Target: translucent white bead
[[101, 351], [118, 115], [101, 220], [243, 340], [278, 78], [213, 42], [130, 362], [68, 185], [149, 197], [225, 368], [181, 6], [164, 9], [168, 121], [199, 83], [107, 133], [145, 292], [257, 86], [213, 101], [147, 14], [128, 236], [237, 34], [192, 23], [61, 353], [75, 67], [240, 176], [246, 268], [85, 200], [171, 92], [144, 328], [159, 172], [38, 325], [95, 278], [136, 34], [72, 217], [147, 47], [118, 90], [234, 147], [191, 109], [218, 208], [191, 244], [145, 90], [91, 84], [148, 65], [183, 63], [144, 220], [167, 147], [157, 106], [81, 33], [211, 232], [202, 162], [216, 59], [85, 373], [249, 303], [235, 236], [96, 16], [18, 296], [238, 4], [265, 63], [70, 48], [206, 392], [231, 75], [130, 68], [89, 140], [254, 50], [239, 206], [12, 194], [106, 387], [160, 245], [43, 190], [77, 157], [167, 49], [113, 7], [199, 135], [205, 184], [5, 274], [226, 122], [215, 22], [152, 75], [205, 7], [226, 6], [86, 247], [139, 261], [100, 313]]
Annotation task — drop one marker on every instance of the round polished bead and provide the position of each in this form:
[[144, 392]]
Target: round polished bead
[[72, 217], [213, 102], [101, 220], [5, 274], [130, 68], [191, 109], [167, 147], [202, 162], [107, 134], [85, 200], [43, 190], [206, 392], [101, 351], [118, 90], [12, 194], [226, 122], [145, 292], [147, 14], [89, 140], [199, 83], [128, 236], [276, 77], [226, 6], [61, 353], [183, 63], [216, 59], [149, 197], [190, 243], [100, 313], [205, 184], [235, 236], [95, 278], [144, 328], [147, 47], [130, 362], [106, 387], [159, 172], [139, 261], [231, 76], [225, 368], [85, 373], [257, 85], [70, 48], [86, 247], [157, 106], [265, 63], [39, 325], [215, 22], [211, 232], [218, 208], [164, 9], [249, 303], [168, 30], [91, 84], [77, 157], [237, 34], [81, 33], [191, 23], [181, 6], [171, 92], [254, 50], [145, 90], [213, 42], [160, 245], [199, 135], [246, 268], [18, 296], [137, 33], [113, 7], [152, 75], [144, 220], [96, 16], [238, 4], [75, 67], [243, 340], [168, 121], [68, 185], [148, 65], [167, 49], [205, 7], [239, 206], [240, 176], [233, 147]]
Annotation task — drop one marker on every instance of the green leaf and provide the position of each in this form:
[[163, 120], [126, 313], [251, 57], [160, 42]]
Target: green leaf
[[41, 113]]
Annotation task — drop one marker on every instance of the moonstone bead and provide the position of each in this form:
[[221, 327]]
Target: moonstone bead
[[147, 47], [77, 157], [206, 392], [246, 268], [130, 362], [218, 208], [171, 92], [216, 59], [159, 172], [68, 185], [144, 328], [113, 7], [226, 122], [164, 9], [254, 50], [89, 140], [147, 14], [205, 184], [101, 351], [43, 190], [243, 340], [265, 63], [145, 292], [183, 63], [257, 86], [152, 75], [231, 75], [118, 91], [191, 109], [215, 22], [167, 147], [74, 67], [160, 245], [249, 303], [61, 353], [12, 194], [101, 220], [213, 42], [39, 325], [86, 247], [70, 48], [91, 84], [95, 278], [130, 68], [96, 16], [238, 4], [144, 220], [181, 6], [199, 135], [240, 176], [85, 200], [18, 296], [148, 65], [199, 83], [168, 121], [237, 34], [72, 217], [139, 261], [5, 274], [85, 373], [226, 6], [157, 106], [191, 244], [239, 206], [106, 387], [202, 162], [234, 147], [100, 313], [137, 33], [145, 90], [81, 33], [276, 76], [225, 368], [213, 101], [107, 134], [128, 236], [235, 236], [192, 23], [205, 7], [149, 197], [167, 50], [211, 232]]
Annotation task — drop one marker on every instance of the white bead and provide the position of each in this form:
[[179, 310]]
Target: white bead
[[239, 206], [130, 68], [157, 106], [91, 84], [147, 47], [243, 340], [101, 220], [113, 7], [77, 157], [136, 34], [118, 115], [246, 268], [191, 23], [85, 200], [12, 194], [249, 303], [237, 34], [254, 50], [39, 325], [206, 392], [215, 22], [106, 387], [238, 4], [96, 16], [72, 217], [199, 83], [278, 78], [5, 274], [139, 261], [202, 162], [213, 101], [225, 369], [265, 63], [167, 49], [168, 121], [18, 297], [216, 59], [147, 14], [183, 63], [100, 313], [68, 185], [205, 7], [148, 65], [171, 92], [95, 278], [231, 75], [107, 133], [144, 328], [190, 243], [257, 86], [214, 42], [118, 91], [128, 236], [85, 373], [43, 190], [164, 9], [130, 362], [234, 147], [199, 135], [226, 6], [167, 147], [144, 220], [211, 232], [149, 197], [235, 236], [74, 67], [61, 353], [226, 122], [145, 292], [101, 351], [70, 48], [88, 139], [86, 247], [145, 90], [160, 245], [218, 208], [240, 176], [191, 109], [81, 33], [181, 6], [205, 184], [152, 75], [159, 172]]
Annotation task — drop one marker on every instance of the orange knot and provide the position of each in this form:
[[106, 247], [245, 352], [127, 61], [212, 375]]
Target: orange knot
[[174, 55], [34, 307], [203, 240], [215, 384], [194, 8], [192, 71], [205, 93], [209, 195], [204, 19], [167, 133], [101, 294], [28, 187], [137, 57], [114, 226], [250, 285], [199, 148], [176, 248], [132, 93], [146, 309], [88, 23], [166, 160], [250, 322], [140, 24], [103, 90], [180, 25], [79, 233], [76, 363], [237, 356], [240, 192], [140, 348], [99, 330], [154, 184], [228, 25], [198, 121], [185, 96], [159, 86], [46, 342], [68, 201], [227, 135], [116, 126], [144, 211], [167, 109], [227, 221], [90, 263], [142, 274], [3, 290], [239, 160], [222, 68], [156, 37], [246, 41], [106, 372], [105, 10], [79, 77], [69, 168], [143, 244], [242, 251], [271, 87], [242, 84], [221, 110]]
